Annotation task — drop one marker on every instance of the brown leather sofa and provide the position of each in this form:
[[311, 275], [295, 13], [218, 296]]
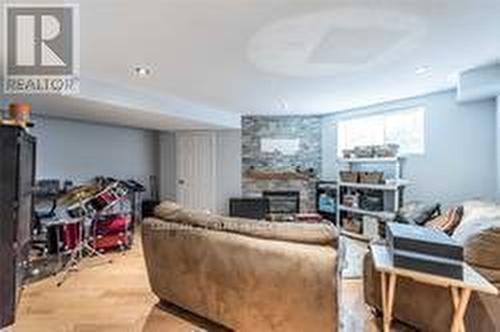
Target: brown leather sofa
[[429, 308], [246, 275]]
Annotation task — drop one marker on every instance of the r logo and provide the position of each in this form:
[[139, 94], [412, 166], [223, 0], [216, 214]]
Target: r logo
[[39, 41]]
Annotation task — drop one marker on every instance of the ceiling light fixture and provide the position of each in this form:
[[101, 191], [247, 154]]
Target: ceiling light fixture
[[142, 71], [422, 70]]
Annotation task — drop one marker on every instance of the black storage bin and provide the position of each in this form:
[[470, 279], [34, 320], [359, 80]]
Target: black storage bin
[[372, 201]]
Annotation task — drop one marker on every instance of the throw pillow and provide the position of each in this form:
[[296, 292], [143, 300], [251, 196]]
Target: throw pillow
[[449, 221], [417, 213]]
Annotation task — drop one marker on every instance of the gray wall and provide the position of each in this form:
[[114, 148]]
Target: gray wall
[[460, 158], [228, 167], [79, 151], [329, 148], [228, 163], [497, 130], [168, 166]]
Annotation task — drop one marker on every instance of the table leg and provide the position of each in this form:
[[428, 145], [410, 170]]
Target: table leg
[[383, 279], [460, 300], [388, 290], [58, 244], [456, 301]]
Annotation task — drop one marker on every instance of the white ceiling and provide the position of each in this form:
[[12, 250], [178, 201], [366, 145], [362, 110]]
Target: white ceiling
[[280, 56]]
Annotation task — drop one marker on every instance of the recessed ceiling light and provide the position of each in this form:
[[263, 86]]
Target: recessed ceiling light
[[422, 70], [142, 71]]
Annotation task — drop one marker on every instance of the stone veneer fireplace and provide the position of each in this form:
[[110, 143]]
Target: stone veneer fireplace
[[275, 171]]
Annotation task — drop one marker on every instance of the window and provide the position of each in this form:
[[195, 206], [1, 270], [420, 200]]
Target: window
[[405, 128]]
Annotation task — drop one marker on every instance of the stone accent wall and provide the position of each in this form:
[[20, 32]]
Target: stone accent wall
[[305, 128]]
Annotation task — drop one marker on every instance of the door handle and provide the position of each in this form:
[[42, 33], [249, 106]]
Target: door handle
[[181, 182]]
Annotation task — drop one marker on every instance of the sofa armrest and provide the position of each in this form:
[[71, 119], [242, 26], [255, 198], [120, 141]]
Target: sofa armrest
[[482, 252]]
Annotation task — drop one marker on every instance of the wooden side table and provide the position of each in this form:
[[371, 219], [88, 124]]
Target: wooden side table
[[460, 289]]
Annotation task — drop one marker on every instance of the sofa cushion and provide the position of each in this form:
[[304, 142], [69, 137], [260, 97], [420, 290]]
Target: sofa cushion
[[478, 216], [481, 241], [323, 233], [478, 209]]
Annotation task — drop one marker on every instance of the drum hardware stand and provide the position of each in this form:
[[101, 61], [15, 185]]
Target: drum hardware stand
[[78, 252]]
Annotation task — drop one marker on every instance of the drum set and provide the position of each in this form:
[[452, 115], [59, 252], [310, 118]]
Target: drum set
[[74, 230]]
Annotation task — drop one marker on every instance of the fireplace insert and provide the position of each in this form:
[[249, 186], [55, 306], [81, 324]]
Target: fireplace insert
[[286, 202], [252, 208]]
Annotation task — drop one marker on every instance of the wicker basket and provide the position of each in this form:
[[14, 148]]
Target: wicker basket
[[348, 176], [348, 154], [386, 150], [371, 177], [364, 152]]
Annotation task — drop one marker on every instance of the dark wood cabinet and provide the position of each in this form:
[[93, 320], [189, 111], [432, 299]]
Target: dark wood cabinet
[[17, 176]]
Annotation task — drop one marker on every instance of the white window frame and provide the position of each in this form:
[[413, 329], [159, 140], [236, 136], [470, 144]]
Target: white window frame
[[382, 117]]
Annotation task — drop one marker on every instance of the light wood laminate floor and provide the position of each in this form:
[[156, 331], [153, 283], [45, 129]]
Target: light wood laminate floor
[[117, 297]]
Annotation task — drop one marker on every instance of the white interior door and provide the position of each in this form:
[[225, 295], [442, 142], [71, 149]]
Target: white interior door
[[196, 170]]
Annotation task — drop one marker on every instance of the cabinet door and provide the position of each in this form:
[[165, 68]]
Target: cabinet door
[[8, 190]]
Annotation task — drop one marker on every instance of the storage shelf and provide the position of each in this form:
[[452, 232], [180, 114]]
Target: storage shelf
[[370, 160], [395, 186], [375, 186], [375, 214]]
